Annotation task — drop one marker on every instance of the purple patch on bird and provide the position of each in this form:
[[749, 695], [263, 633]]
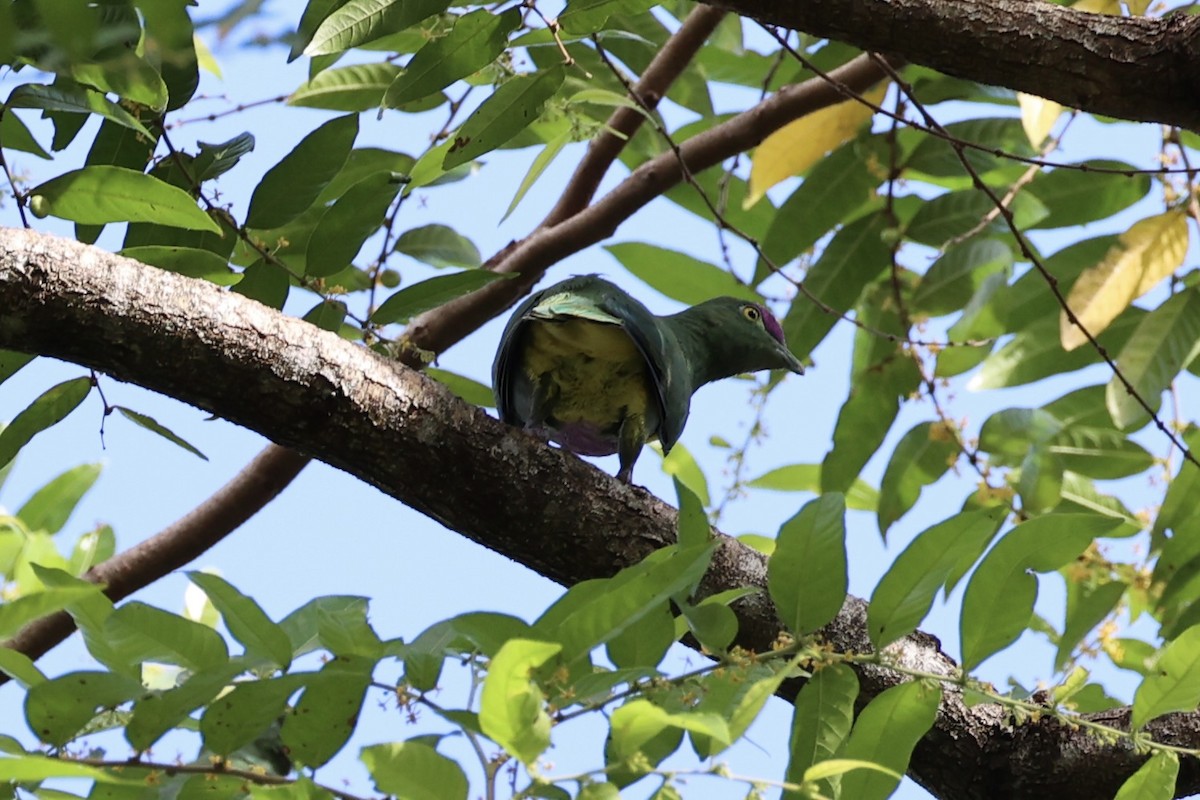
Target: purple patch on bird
[[584, 438], [772, 325]]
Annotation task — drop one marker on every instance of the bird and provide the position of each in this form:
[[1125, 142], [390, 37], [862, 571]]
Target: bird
[[586, 365]]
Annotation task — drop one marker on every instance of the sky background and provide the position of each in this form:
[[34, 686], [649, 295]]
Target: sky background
[[329, 534]]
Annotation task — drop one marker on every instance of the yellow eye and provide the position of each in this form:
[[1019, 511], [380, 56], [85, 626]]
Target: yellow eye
[[751, 313]]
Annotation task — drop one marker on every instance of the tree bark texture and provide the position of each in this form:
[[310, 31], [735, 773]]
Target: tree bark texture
[[1136, 68], [408, 436]]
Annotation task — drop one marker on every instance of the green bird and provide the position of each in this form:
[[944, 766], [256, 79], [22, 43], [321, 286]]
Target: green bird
[[584, 364]]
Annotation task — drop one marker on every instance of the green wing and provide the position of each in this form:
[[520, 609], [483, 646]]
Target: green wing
[[592, 297]]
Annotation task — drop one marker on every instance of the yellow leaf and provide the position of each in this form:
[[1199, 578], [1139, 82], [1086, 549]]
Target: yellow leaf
[[1099, 6], [1137, 7], [1037, 116], [798, 145], [1145, 254], [205, 58]]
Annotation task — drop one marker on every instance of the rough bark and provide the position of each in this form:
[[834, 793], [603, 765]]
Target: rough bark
[[1136, 68], [399, 431]]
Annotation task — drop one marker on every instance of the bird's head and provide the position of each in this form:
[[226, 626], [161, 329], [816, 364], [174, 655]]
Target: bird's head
[[738, 336]]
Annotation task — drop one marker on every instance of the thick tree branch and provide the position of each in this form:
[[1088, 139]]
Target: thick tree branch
[[1135, 68], [405, 434]]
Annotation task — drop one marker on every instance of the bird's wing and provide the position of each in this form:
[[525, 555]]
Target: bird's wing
[[503, 372]]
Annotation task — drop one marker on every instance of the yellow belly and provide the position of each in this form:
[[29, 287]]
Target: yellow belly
[[600, 375]]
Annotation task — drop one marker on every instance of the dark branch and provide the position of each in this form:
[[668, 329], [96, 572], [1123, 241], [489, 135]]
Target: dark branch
[[1137, 68]]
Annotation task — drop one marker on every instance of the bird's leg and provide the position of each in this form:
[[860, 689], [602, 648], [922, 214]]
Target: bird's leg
[[630, 439], [545, 395]]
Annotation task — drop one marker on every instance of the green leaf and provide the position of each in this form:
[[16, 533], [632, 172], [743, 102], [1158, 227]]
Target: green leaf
[[511, 108], [215, 160], [358, 87], [953, 214], [50, 408], [595, 612], [1179, 504], [327, 711], [954, 278], [876, 393], [99, 194], [694, 529], [362, 163], [645, 642], [127, 76], [1154, 780], [1174, 682], [70, 97], [1165, 341], [151, 425], [920, 458], [431, 293], [678, 275], [807, 572], [681, 465], [712, 623], [14, 614], [188, 261], [51, 506], [998, 602], [543, 160], [807, 478], [1036, 353], [821, 719], [246, 620], [169, 33], [362, 21], [1077, 197], [885, 733], [475, 41], [471, 391], [35, 768], [937, 161], [438, 246], [1040, 481], [144, 633], [16, 136], [932, 560], [1087, 607], [328, 315], [11, 363], [246, 711], [348, 223], [157, 712], [265, 281], [638, 721], [415, 771], [855, 256], [837, 187], [20, 668], [511, 711], [292, 185], [588, 16], [58, 709], [303, 625], [1100, 453]]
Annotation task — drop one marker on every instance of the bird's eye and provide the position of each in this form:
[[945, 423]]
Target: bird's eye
[[751, 313]]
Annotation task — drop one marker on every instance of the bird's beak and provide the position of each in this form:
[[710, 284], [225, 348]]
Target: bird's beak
[[790, 362]]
